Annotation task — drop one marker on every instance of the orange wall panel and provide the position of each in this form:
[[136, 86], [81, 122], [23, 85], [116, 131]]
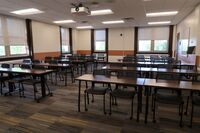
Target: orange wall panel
[[42, 55]]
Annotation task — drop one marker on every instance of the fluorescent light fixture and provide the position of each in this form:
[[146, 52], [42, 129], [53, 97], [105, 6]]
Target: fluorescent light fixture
[[28, 11], [113, 22], [84, 27], [159, 14], [101, 12], [161, 22], [64, 21]]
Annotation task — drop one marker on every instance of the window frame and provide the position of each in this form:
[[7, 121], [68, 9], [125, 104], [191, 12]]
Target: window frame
[[170, 42], [93, 42], [152, 51], [28, 36], [70, 42]]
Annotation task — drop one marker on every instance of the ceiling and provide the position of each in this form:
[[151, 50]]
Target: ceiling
[[60, 10]]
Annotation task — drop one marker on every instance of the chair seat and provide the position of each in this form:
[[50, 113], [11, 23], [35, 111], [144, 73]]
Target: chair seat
[[4, 78], [126, 94], [196, 100], [18, 79], [97, 90], [31, 81], [168, 99]]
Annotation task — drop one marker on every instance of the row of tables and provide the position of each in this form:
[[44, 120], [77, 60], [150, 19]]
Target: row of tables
[[141, 83], [32, 72]]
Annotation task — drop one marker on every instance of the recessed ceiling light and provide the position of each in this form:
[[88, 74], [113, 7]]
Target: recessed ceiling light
[[101, 12], [28, 11], [84, 27], [64, 21], [161, 22], [113, 22], [158, 14]]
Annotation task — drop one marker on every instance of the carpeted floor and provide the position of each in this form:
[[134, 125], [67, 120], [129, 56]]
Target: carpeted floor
[[58, 114]]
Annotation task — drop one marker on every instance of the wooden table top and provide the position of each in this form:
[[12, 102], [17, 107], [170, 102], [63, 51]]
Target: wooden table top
[[25, 71], [44, 64], [149, 69], [111, 79], [183, 85]]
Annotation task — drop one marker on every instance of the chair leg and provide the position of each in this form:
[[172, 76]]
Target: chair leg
[[22, 85], [92, 98], [49, 91], [20, 90], [132, 109], [192, 112], [1, 89], [85, 95], [154, 110], [35, 90], [181, 119], [110, 104], [104, 104], [188, 99]]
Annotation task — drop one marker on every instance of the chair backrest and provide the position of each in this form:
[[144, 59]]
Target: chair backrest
[[26, 61], [140, 58], [167, 76], [23, 66], [36, 61], [101, 72], [53, 62], [5, 65], [48, 59], [128, 59], [130, 74]]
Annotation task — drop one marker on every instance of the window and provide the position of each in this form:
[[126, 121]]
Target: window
[[183, 46], [144, 45], [16, 50], [65, 40], [100, 41], [13, 37], [2, 51], [153, 40], [161, 45]]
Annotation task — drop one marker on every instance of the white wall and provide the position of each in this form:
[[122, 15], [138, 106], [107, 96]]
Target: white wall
[[81, 40], [189, 28], [46, 37], [121, 39]]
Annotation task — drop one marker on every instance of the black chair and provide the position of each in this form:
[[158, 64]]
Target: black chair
[[47, 59], [27, 61], [167, 96], [3, 78], [124, 92], [33, 81], [195, 102], [97, 90], [140, 58], [36, 61]]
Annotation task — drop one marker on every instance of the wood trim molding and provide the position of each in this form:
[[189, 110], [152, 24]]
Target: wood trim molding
[[70, 40], [171, 31], [107, 32], [136, 41], [92, 41], [30, 38], [60, 39]]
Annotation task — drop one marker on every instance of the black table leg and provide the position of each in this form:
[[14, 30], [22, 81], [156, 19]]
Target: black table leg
[[65, 78], [43, 88], [147, 104], [79, 96], [139, 106]]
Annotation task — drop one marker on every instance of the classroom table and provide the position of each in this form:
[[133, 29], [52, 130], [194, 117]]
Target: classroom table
[[32, 72], [112, 80], [168, 84], [51, 66]]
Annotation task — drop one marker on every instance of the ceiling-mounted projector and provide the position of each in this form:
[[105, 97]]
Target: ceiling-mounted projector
[[80, 10]]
